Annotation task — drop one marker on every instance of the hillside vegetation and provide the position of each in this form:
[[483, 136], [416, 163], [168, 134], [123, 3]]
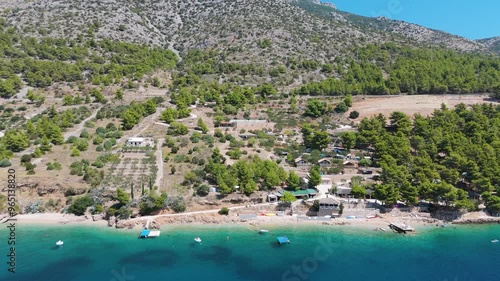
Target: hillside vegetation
[[93, 73]]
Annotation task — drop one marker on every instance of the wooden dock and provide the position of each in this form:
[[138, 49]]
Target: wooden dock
[[401, 228], [146, 233]]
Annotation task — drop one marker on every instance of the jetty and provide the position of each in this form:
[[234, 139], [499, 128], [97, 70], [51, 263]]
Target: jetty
[[283, 240], [146, 233], [401, 228]]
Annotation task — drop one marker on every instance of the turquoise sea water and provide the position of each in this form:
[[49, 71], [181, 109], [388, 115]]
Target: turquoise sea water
[[315, 253]]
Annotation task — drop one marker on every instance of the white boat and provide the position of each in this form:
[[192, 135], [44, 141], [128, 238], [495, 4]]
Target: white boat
[[59, 243], [494, 241], [197, 240], [262, 231]]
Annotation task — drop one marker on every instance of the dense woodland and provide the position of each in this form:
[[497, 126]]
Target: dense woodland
[[448, 157], [390, 69]]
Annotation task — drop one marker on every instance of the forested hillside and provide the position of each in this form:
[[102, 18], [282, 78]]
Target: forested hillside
[[75, 89], [447, 157], [40, 63], [389, 69]]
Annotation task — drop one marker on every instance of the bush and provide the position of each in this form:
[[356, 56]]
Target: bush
[[98, 209], [224, 211], [26, 158], [5, 163], [123, 213], [70, 192], [71, 139], [80, 205], [98, 164], [341, 108], [202, 190], [84, 134], [30, 168], [54, 166], [354, 114], [179, 205]]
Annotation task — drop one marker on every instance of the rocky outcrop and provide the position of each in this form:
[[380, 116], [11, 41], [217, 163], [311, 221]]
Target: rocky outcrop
[[111, 221], [477, 221], [97, 217]]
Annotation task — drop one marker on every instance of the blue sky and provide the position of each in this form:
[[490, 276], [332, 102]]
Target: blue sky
[[475, 19]]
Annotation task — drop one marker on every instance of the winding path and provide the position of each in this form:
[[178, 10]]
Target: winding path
[[198, 212], [75, 131]]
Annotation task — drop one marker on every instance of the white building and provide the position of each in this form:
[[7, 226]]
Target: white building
[[136, 142]]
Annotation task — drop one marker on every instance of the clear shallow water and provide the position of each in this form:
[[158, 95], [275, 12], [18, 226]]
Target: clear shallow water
[[315, 253]]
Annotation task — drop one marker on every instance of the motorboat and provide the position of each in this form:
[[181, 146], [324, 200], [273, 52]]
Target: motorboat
[[197, 240], [59, 243], [262, 231], [494, 241]]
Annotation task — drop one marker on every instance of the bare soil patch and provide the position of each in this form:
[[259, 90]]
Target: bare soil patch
[[423, 104]]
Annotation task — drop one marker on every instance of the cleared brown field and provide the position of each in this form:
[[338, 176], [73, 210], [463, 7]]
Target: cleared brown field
[[423, 104]]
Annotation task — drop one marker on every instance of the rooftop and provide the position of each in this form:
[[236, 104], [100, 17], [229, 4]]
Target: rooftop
[[135, 139], [328, 201]]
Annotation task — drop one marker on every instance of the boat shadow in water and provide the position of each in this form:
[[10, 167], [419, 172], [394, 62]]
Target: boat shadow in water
[[151, 258], [66, 269]]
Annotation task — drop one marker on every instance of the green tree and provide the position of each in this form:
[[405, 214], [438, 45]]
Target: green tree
[[122, 197], [314, 178], [169, 115], [288, 197], [15, 140], [341, 107], [358, 191], [293, 181], [293, 104], [119, 94], [348, 100], [315, 108], [80, 205], [203, 127], [224, 211], [353, 114], [348, 139]]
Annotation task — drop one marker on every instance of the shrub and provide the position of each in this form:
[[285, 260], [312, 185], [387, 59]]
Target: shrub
[[202, 190], [341, 108], [71, 139], [84, 134], [30, 168], [179, 205], [70, 192], [80, 205], [26, 158], [354, 114], [224, 211], [5, 163]]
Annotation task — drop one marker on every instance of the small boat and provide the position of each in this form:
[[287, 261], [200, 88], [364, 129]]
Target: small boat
[[494, 241], [382, 229], [197, 240], [59, 243], [262, 231]]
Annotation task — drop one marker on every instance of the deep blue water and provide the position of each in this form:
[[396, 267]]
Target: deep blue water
[[462, 253]]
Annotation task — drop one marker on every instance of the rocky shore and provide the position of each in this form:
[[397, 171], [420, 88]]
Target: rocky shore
[[216, 219]]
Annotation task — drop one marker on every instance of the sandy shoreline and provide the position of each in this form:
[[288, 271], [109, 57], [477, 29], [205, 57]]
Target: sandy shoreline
[[419, 223], [214, 219]]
